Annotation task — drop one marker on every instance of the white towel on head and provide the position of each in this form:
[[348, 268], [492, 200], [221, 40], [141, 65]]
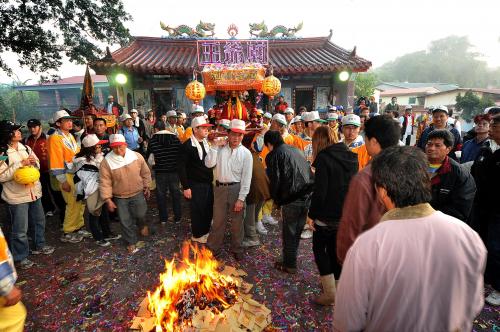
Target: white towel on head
[[197, 145], [115, 161]]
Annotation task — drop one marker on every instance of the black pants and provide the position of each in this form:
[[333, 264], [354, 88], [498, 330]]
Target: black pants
[[492, 273], [60, 203], [46, 193], [99, 225], [294, 219], [324, 249], [166, 182], [201, 206]]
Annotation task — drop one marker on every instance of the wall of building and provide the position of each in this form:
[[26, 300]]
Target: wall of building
[[143, 88], [446, 98]]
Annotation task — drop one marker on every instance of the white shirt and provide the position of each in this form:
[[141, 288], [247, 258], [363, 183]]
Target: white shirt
[[232, 165], [110, 108], [409, 125]]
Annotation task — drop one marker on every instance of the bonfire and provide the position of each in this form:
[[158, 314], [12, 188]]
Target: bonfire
[[194, 294]]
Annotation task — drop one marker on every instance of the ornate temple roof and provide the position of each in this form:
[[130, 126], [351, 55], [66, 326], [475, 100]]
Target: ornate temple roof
[[165, 56]]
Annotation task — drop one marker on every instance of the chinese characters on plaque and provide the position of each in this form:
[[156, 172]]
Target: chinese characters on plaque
[[232, 52]]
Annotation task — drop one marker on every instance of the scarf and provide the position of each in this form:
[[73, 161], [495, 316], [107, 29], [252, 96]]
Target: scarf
[[197, 145], [115, 161], [493, 146], [69, 141]]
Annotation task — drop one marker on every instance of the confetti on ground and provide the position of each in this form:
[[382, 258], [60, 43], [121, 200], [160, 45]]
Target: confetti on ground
[[83, 287]]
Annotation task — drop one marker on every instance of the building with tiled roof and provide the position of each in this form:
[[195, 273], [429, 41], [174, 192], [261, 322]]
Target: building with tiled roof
[[159, 69], [65, 93]]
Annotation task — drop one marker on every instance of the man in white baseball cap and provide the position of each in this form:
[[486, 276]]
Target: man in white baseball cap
[[181, 120], [266, 119], [440, 115], [197, 111], [62, 147], [196, 178], [332, 119], [124, 185], [351, 125], [289, 114], [223, 125], [233, 174], [296, 125], [172, 121], [131, 133], [139, 124]]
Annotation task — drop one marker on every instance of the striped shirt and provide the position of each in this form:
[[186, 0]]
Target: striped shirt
[[164, 146]]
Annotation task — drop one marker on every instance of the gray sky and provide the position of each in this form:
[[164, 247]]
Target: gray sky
[[382, 29]]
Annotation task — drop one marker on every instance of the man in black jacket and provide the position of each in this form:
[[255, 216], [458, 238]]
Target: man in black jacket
[[196, 179], [290, 186], [440, 117], [486, 212], [334, 166], [164, 145], [453, 188]]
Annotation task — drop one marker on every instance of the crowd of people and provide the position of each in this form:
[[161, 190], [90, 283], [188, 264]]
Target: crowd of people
[[393, 226]]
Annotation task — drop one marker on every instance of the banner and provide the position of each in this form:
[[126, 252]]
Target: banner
[[232, 51], [233, 77]]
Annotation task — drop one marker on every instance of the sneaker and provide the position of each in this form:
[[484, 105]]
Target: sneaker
[[112, 237], [145, 231], [71, 238], [250, 243], [46, 250], [132, 249], [238, 256], [25, 264], [260, 228], [268, 219], [49, 214], [202, 239], [103, 243], [493, 298], [306, 234], [84, 234]]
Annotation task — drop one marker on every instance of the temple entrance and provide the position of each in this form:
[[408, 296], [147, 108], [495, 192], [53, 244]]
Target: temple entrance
[[304, 97], [163, 101]]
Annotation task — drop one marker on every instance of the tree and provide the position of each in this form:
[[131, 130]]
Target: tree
[[471, 105], [447, 60], [18, 105], [40, 32], [365, 84]]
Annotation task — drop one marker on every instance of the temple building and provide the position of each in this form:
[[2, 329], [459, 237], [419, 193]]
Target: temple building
[[158, 70]]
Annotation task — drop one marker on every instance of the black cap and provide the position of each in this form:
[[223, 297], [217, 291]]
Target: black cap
[[9, 126], [33, 123]]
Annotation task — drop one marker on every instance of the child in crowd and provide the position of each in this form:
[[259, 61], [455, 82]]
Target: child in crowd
[[86, 166]]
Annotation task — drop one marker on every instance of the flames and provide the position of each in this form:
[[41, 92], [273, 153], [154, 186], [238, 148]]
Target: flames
[[187, 286]]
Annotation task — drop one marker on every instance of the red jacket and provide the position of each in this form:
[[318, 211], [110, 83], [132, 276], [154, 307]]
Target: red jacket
[[39, 147], [280, 108]]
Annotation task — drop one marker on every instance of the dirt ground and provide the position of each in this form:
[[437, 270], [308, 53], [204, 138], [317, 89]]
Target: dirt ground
[[83, 287]]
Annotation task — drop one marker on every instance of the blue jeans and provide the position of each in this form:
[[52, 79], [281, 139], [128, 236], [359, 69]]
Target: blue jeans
[[23, 216], [294, 218], [166, 182]]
